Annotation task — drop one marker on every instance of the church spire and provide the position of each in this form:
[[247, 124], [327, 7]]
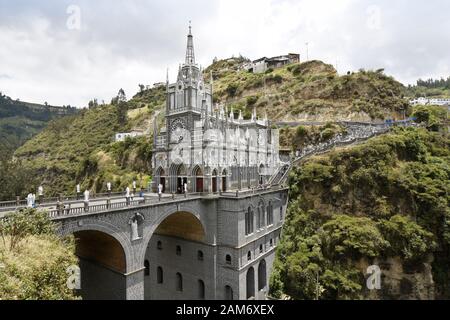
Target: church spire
[[190, 56]]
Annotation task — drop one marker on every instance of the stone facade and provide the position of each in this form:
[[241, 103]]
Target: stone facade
[[207, 147]]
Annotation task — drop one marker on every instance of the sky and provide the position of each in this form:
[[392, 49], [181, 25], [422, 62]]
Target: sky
[[69, 52]]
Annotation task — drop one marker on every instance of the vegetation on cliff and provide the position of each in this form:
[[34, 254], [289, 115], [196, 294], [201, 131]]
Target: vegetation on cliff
[[363, 205], [33, 259]]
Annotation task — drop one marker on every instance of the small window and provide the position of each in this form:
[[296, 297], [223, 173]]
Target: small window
[[159, 275], [178, 251], [228, 259], [249, 256], [179, 279], [200, 255], [147, 268], [159, 245], [261, 248]]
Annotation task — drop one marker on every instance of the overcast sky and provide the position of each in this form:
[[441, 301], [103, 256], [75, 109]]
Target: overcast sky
[[68, 52]]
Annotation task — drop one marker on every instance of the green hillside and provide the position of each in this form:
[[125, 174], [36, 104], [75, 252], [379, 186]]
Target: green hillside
[[81, 148], [385, 202], [430, 88], [20, 121], [309, 91]]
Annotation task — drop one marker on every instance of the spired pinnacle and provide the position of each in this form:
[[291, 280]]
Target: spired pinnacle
[[190, 56]]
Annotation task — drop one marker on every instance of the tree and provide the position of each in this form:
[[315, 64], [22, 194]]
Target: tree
[[122, 107], [33, 259], [15, 178]]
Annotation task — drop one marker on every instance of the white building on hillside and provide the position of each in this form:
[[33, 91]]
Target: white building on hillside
[[433, 101], [120, 137]]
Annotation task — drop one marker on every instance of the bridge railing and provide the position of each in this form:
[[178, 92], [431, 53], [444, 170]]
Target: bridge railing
[[66, 211], [21, 204]]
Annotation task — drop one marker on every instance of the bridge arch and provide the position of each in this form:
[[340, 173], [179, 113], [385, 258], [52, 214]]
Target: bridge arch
[[155, 224], [182, 235], [107, 229], [105, 258]]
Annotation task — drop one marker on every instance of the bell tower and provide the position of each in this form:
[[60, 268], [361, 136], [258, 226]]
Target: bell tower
[[189, 97]]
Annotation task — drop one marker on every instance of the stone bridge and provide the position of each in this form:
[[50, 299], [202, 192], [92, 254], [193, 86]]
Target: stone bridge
[[141, 249]]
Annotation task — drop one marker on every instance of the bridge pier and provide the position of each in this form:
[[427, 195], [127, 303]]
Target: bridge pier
[[135, 285]]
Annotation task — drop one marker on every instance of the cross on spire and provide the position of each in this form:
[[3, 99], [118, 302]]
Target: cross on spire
[[190, 56]]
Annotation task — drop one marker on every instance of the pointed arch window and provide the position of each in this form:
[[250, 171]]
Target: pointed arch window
[[159, 275], [179, 282]]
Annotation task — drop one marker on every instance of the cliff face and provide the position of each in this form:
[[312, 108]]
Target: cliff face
[[383, 203]]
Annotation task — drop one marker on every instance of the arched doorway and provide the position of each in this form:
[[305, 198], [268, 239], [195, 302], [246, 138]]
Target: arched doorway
[[214, 181], [161, 179], [198, 174], [262, 275], [250, 284], [181, 178], [169, 251], [224, 180], [102, 265]]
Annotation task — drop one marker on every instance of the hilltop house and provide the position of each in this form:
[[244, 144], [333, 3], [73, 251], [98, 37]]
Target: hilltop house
[[120, 137], [434, 101], [262, 64]]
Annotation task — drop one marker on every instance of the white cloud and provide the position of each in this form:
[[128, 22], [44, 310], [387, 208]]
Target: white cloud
[[124, 43]]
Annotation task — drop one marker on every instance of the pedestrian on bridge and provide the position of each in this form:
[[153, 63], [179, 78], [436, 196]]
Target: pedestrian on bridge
[[134, 187], [78, 191], [41, 193], [86, 200], [108, 187], [30, 200], [160, 189], [127, 195]]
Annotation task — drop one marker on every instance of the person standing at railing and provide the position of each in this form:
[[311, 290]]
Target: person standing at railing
[[185, 189], [30, 200], [108, 187], [127, 195], [41, 193], [78, 191], [160, 189], [134, 188], [86, 200], [33, 200]]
